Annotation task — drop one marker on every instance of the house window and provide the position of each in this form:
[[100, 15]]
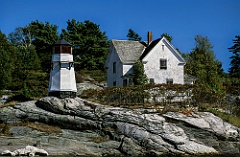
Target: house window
[[163, 63], [162, 47], [169, 81], [114, 83], [151, 80], [125, 82], [130, 81], [114, 67]]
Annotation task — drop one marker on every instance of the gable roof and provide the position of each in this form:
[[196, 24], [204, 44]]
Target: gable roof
[[149, 48], [128, 51], [168, 44]]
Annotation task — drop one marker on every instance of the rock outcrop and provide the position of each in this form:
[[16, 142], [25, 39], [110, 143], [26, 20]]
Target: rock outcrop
[[93, 129], [27, 151]]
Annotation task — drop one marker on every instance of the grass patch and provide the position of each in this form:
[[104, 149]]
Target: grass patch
[[41, 127], [44, 127], [49, 129]]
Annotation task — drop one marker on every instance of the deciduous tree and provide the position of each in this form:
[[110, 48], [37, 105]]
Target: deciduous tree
[[40, 35], [26, 56]]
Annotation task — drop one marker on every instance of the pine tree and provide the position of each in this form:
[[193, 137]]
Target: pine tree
[[202, 64], [167, 36], [234, 70], [90, 44], [133, 35], [44, 35], [7, 56]]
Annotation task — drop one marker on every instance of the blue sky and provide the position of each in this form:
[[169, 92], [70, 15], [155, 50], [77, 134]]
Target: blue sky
[[182, 19]]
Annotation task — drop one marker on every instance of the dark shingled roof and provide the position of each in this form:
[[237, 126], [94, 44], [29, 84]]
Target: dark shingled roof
[[62, 42], [128, 51], [149, 48]]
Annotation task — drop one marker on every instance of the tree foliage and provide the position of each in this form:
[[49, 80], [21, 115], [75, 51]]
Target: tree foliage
[[133, 35], [7, 57], [203, 64], [90, 45], [139, 77], [26, 58], [167, 36], [234, 70], [40, 35], [44, 35]]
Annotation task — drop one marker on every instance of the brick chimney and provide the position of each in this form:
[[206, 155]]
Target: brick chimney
[[149, 38]]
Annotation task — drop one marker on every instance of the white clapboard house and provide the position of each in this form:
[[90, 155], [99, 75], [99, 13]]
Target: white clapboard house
[[162, 62]]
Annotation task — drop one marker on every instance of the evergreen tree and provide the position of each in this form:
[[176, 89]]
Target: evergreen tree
[[139, 76], [167, 36], [7, 56], [90, 45], [133, 35], [203, 64], [44, 35], [234, 70]]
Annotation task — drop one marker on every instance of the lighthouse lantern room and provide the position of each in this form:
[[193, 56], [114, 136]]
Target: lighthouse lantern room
[[62, 77]]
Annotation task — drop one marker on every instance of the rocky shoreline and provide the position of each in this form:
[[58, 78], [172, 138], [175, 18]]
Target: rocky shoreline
[[91, 129]]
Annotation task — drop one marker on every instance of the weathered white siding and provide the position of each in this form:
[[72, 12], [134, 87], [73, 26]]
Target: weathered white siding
[[121, 53], [174, 67], [111, 76]]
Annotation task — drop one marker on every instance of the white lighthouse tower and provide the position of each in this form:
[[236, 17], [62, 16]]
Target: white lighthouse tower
[[62, 77]]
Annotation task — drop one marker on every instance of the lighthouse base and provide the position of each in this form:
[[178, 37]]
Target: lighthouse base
[[63, 94]]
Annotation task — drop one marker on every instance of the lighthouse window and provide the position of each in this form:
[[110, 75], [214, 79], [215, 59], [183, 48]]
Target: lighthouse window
[[57, 49], [69, 50], [64, 49]]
